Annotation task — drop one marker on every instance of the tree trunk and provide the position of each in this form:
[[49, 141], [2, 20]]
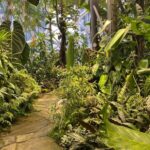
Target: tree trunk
[[112, 9], [62, 28], [50, 33], [63, 47], [61, 22], [140, 47], [94, 25]]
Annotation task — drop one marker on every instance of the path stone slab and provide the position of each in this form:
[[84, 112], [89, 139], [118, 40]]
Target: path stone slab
[[25, 137], [30, 132], [7, 141], [10, 147], [43, 143]]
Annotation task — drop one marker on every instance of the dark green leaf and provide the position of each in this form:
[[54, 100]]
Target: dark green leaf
[[16, 41], [25, 54]]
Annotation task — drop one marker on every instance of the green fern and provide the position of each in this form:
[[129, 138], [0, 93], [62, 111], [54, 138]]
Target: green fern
[[3, 91], [129, 81]]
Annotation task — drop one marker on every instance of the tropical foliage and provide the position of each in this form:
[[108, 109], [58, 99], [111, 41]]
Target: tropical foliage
[[104, 89], [17, 87]]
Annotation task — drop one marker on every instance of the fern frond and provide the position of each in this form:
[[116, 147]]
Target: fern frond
[[122, 92]]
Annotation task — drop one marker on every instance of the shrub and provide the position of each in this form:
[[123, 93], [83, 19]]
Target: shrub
[[16, 95], [78, 92]]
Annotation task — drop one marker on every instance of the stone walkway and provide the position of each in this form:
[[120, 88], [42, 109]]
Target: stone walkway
[[30, 133]]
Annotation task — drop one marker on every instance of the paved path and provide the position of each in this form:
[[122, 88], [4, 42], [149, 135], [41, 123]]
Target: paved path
[[30, 133]]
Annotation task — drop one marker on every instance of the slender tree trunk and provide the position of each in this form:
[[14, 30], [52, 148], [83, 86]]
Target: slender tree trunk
[[112, 9], [61, 22], [50, 33], [62, 28], [140, 46], [94, 25], [63, 48]]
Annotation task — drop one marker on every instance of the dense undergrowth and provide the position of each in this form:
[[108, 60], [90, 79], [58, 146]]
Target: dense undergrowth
[[105, 93], [17, 87], [99, 99]]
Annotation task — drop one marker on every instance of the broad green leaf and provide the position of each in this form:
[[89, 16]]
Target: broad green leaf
[[95, 69], [123, 138], [25, 54], [18, 38], [104, 26], [103, 79], [145, 71], [143, 63], [107, 89], [118, 37], [102, 84], [16, 41]]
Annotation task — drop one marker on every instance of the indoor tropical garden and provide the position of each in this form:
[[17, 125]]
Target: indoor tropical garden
[[74, 75]]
